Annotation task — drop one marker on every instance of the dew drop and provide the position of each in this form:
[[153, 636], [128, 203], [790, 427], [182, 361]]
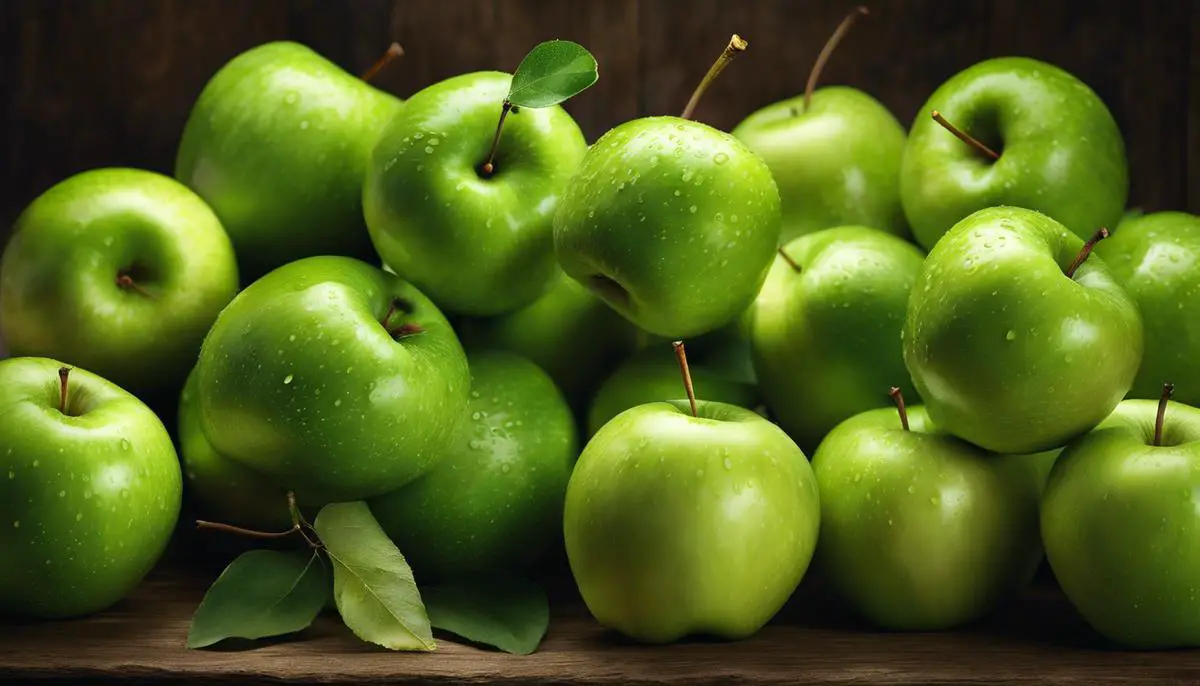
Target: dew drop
[[287, 379]]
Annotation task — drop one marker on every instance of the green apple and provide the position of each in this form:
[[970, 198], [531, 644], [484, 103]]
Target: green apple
[[477, 243], [494, 502], [568, 332], [1007, 350], [278, 143], [1121, 525], [119, 271], [826, 325], [89, 490], [1059, 150], [330, 375], [1157, 258]]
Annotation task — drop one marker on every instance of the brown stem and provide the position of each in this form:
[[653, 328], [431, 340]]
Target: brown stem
[[229, 528], [126, 281], [489, 167], [830, 46], [406, 329], [1168, 390], [788, 258], [898, 397], [1085, 251], [681, 355], [736, 45], [394, 50], [64, 373], [965, 137]]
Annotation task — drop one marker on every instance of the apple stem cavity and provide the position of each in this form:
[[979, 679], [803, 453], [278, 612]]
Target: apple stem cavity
[[830, 46], [898, 398], [966, 137], [126, 281], [681, 355], [394, 50], [489, 167], [1168, 390], [788, 258], [1085, 251], [64, 374], [406, 329], [736, 46]]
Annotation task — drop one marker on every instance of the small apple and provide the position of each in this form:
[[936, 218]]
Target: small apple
[[495, 501], [1121, 524], [825, 328], [689, 517], [1157, 258], [920, 530], [278, 143], [834, 152], [1016, 341], [671, 222], [120, 271], [89, 490], [1013, 131], [329, 375]]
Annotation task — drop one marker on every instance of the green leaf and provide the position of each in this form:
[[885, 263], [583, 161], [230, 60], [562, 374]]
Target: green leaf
[[552, 72], [509, 613], [372, 583], [261, 593]]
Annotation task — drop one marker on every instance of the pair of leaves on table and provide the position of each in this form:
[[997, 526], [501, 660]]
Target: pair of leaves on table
[[269, 593]]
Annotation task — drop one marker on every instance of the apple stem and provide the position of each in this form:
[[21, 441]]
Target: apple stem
[[489, 167], [126, 281], [830, 46], [736, 45], [252, 533], [965, 137], [406, 329], [1168, 390], [64, 373], [788, 258], [394, 50], [1085, 251], [681, 355], [898, 397]]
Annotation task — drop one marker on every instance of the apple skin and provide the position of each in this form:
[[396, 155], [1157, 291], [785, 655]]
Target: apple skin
[[277, 144], [1121, 526], [836, 164], [494, 502], [1157, 258], [300, 382], [826, 340], [88, 499], [59, 295], [921, 531], [672, 223], [1061, 152], [1006, 351], [678, 525]]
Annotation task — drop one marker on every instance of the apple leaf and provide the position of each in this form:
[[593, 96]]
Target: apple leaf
[[552, 72], [507, 612], [373, 585], [261, 593]]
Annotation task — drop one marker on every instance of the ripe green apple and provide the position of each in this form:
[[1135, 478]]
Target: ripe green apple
[[678, 524], [278, 143], [673, 223], [1060, 151], [1157, 258], [1007, 351], [89, 490], [569, 332], [1121, 525], [825, 328], [921, 530], [477, 243], [330, 375], [495, 501], [119, 271], [836, 162]]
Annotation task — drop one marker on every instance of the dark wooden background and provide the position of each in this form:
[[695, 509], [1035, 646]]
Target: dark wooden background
[[86, 83]]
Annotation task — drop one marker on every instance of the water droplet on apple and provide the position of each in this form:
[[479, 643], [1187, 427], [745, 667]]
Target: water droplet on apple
[[287, 379], [720, 158], [1011, 335], [290, 98], [693, 209], [505, 469], [699, 472], [433, 140], [728, 463], [428, 150], [304, 124], [677, 193], [36, 462], [12, 475]]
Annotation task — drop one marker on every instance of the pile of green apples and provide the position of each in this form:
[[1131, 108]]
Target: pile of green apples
[[505, 340]]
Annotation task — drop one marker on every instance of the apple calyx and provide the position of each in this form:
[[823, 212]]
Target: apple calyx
[[898, 398], [965, 137], [827, 50], [64, 373], [394, 50], [788, 258], [125, 281], [489, 166], [736, 46], [1168, 390], [681, 355], [1100, 235], [300, 525]]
